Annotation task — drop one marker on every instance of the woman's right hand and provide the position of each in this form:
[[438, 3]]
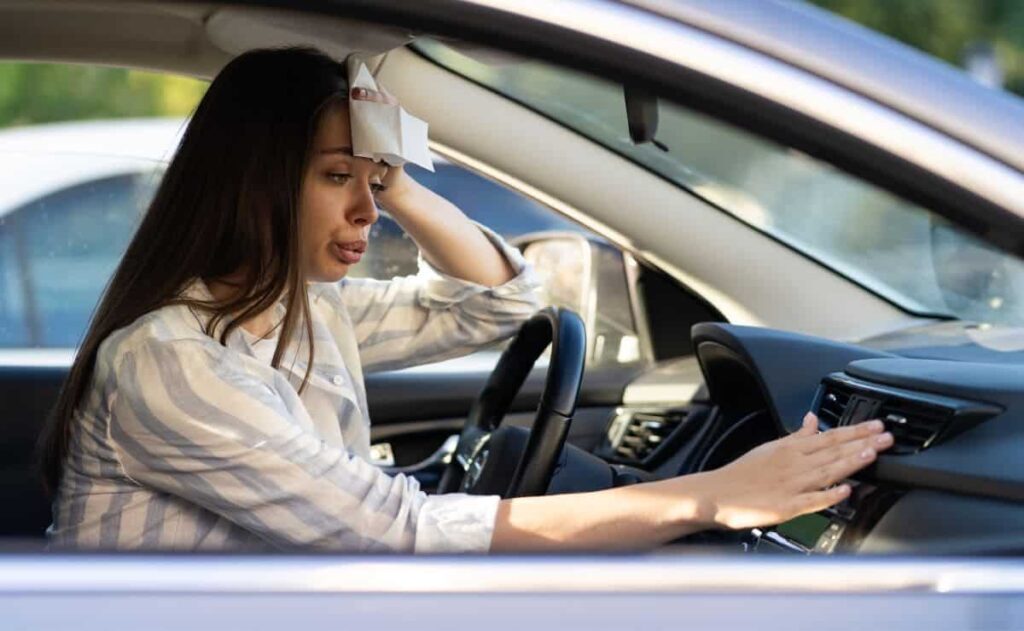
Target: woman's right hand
[[773, 482], [791, 476]]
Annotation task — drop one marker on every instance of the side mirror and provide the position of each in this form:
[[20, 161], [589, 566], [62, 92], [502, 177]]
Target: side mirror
[[596, 280]]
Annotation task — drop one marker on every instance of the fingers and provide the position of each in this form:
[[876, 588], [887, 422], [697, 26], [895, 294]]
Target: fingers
[[837, 468], [839, 436], [877, 442], [362, 94], [820, 500], [810, 425]]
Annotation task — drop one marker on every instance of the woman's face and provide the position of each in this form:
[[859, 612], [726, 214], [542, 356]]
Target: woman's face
[[337, 206]]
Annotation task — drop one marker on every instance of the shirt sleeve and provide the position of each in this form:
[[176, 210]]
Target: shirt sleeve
[[188, 422], [432, 316]]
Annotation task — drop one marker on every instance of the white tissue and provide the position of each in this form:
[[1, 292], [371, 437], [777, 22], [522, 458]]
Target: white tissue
[[381, 131]]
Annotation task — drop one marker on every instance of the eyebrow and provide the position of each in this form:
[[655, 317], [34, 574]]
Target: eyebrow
[[345, 150]]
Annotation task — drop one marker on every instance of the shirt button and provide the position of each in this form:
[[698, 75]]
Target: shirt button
[[337, 380]]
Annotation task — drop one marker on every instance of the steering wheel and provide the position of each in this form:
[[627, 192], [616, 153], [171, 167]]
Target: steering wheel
[[511, 461]]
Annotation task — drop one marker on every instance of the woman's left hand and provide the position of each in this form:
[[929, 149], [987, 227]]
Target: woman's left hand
[[396, 181], [447, 239]]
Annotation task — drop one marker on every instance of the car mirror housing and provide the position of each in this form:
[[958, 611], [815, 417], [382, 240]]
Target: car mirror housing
[[591, 277]]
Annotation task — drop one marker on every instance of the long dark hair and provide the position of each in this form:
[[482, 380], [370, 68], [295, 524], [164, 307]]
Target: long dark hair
[[227, 202]]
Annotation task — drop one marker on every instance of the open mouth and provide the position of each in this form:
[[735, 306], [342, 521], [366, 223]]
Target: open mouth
[[349, 253]]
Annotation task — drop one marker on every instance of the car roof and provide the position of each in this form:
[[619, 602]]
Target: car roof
[[38, 160], [142, 138], [874, 65]]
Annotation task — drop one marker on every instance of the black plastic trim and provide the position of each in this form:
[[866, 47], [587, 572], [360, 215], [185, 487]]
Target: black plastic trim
[[932, 522], [962, 414], [983, 460], [748, 368], [448, 394]]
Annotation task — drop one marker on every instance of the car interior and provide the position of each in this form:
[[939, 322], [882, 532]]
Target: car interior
[[689, 333]]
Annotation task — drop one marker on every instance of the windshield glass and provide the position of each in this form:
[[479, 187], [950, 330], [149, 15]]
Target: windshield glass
[[899, 250]]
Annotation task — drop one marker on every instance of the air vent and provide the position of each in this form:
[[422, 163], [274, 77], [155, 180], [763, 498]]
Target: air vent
[[834, 400], [635, 435], [914, 426], [917, 420]]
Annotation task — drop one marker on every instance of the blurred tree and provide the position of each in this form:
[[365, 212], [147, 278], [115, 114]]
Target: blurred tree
[[33, 93], [945, 28]]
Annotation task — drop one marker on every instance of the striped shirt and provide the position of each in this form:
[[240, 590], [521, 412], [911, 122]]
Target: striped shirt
[[184, 443]]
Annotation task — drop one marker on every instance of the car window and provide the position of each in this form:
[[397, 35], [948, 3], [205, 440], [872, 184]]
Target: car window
[[59, 247], [82, 148], [899, 250], [57, 253], [77, 173], [72, 193]]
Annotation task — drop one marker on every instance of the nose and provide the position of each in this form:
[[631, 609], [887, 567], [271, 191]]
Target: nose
[[363, 211]]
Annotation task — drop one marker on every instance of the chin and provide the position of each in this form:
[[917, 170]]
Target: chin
[[331, 273]]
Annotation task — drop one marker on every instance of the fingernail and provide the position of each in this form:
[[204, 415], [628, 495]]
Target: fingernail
[[883, 439], [358, 92], [876, 425], [866, 454]]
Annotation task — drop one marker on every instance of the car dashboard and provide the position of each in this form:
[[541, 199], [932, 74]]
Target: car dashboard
[[953, 483]]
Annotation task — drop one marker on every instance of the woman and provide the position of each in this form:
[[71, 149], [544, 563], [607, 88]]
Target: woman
[[217, 399]]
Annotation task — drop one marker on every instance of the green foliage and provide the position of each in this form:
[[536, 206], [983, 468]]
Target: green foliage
[[33, 93], [944, 28]]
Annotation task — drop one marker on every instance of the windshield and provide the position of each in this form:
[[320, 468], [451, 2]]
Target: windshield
[[901, 251]]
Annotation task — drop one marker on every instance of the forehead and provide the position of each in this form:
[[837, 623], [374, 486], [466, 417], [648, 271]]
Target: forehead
[[334, 129]]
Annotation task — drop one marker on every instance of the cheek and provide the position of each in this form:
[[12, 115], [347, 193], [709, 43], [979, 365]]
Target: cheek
[[319, 211]]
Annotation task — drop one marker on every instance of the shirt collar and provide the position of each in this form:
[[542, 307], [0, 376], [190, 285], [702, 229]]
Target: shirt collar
[[198, 290]]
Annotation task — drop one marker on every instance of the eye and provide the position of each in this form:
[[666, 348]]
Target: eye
[[378, 188], [339, 178]]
